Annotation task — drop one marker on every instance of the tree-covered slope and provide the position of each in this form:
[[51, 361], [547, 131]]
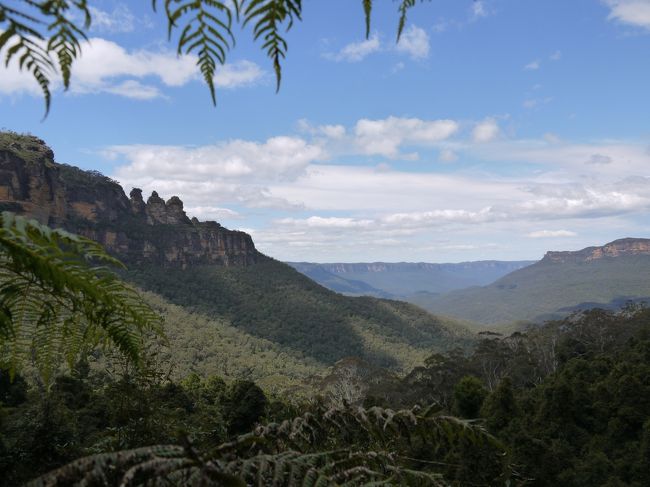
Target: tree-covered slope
[[547, 289], [271, 301]]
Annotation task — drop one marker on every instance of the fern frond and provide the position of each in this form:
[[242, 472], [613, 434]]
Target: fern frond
[[31, 55], [207, 32], [269, 17], [367, 10], [58, 299], [65, 35], [377, 447]]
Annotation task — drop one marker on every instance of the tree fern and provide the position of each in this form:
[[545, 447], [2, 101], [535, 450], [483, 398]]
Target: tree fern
[[58, 299], [337, 447]]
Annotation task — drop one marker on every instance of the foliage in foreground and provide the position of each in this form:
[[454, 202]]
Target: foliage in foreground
[[570, 400], [351, 446], [45, 35], [58, 300]]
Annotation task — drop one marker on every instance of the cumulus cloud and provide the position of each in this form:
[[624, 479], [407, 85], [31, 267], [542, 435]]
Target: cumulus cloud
[[386, 136], [533, 65], [551, 234], [356, 51], [486, 131], [208, 177], [414, 42], [631, 12], [277, 158], [330, 131], [238, 74], [107, 67]]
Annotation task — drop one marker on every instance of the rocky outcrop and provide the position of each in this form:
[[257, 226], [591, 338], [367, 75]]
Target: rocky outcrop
[[93, 205], [617, 248]]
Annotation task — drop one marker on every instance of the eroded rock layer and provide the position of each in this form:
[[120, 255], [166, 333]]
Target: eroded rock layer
[[88, 203]]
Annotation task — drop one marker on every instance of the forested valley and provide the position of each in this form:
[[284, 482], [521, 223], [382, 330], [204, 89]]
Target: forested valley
[[565, 404]]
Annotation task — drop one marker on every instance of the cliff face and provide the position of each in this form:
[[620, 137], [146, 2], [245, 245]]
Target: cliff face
[[90, 204], [617, 248]]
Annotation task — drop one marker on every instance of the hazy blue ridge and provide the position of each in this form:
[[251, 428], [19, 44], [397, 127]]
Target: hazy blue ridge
[[403, 279]]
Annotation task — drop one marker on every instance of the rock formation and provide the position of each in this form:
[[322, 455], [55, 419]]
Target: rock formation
[[93, 205], [617, 248]]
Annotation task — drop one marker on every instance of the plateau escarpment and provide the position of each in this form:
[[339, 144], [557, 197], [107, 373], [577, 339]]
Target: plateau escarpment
[[617, 248], [607, 276], [86, 202]]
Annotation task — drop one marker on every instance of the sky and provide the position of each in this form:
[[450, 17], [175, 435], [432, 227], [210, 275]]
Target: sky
[[495, 129]]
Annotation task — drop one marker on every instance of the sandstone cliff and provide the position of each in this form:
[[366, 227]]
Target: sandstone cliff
[[88, 203], [621, 247]]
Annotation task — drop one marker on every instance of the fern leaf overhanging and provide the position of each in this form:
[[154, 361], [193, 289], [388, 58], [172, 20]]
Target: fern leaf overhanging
[[59, 300], [375, 447], [207, 32], [270, 18], [36, 31]]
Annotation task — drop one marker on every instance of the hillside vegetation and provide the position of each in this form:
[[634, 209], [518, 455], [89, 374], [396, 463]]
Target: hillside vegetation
[[280, 308], [547, 290]]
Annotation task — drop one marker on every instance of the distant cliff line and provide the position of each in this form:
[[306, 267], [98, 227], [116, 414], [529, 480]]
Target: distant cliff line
[[617, 248], [93, 205]]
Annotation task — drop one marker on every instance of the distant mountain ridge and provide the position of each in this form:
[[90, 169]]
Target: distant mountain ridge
[[401, 279], [604, 276], [617, 248]]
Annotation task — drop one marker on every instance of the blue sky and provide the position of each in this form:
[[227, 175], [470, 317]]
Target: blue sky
[[495, 129]]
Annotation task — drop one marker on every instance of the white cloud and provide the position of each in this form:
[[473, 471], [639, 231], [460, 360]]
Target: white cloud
[[531, 103], [134, 89], [386, 136], [212, 213], [447, 155], [533, 65], [340, 208], [356, 51], [599, 159], [207, 177], [330, 131], [238, 74], [478, 9], [436, 217], [552, 138], [632, 12], [277, 158], [414, 42], [329, 222], [556, 56], [120, 20], [551, 234], [106, 67], [486, 131]]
